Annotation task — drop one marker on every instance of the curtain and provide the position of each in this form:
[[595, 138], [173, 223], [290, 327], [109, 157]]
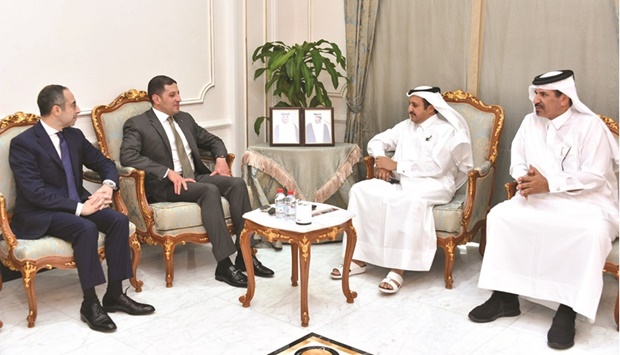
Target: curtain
[[360, 20], [417, 43]]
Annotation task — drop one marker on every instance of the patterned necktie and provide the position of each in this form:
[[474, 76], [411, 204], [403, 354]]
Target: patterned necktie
[[66, 163], [186, 167]]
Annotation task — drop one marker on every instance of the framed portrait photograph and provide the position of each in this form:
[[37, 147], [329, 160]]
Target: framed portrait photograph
[[319, 126], [285, 126]]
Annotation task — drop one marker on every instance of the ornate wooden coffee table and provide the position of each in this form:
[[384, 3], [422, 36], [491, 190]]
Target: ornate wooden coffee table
[[326, 226]]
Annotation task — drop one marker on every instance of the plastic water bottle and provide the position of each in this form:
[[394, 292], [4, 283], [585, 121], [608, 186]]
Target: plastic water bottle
[[290, 203], [280, 204]]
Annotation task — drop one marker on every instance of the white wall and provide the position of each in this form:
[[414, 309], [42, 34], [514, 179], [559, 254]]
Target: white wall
[[102, 48]]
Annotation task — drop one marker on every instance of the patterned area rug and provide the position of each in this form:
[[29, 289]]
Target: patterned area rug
[[314, 344]]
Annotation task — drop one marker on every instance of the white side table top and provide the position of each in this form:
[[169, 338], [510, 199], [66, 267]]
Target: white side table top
[[329, 216]]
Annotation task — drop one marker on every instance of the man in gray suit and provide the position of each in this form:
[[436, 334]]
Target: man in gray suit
[[164, 142]]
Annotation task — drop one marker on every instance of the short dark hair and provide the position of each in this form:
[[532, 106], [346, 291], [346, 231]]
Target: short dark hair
[[49, 97], [157, 85]]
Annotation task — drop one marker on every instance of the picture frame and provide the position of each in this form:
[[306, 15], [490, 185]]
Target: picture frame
[[285, 126], [318, 126]]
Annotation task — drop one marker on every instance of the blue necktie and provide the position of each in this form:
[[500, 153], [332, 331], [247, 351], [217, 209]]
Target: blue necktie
[[66, 163]]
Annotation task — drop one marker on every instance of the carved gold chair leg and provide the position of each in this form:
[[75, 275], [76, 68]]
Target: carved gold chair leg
[[169, 246], [448, 249], [136, 251], [28, 277]]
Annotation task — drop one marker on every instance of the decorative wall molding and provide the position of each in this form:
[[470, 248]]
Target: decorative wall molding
[[210, 84]]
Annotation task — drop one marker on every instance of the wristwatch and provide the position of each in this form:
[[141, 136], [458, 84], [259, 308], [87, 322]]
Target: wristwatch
[[110, 183], [220, 156]]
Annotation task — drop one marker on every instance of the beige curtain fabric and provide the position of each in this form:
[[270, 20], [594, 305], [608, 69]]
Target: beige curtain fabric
[[360, 19], [416, 43], [525, 38]]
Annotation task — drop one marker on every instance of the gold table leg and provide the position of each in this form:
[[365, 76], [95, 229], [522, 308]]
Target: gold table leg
[[294, 263], [246, 250], [348, 257], [300, 258]]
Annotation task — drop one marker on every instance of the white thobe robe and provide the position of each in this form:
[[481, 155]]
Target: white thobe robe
[[286, 133], [394, 222], [552, 247], [317, 133]]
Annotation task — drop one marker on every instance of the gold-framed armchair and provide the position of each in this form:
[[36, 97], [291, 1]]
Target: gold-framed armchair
[[30, 256], [167, 224], [611, 265], [458, 221]]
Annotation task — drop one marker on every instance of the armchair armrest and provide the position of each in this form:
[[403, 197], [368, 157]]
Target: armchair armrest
[[370, 167], [209, 160], [369, 162], [511, 189], [5, 219], [134, 194], [479, 188], [484, 168], [92, 176]]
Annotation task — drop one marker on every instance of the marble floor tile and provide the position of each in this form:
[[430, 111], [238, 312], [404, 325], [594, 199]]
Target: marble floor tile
[[200, 315]]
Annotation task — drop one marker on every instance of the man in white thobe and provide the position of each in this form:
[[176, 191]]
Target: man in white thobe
[[393, 212], [318, 131], [550, 241], [286, 131]]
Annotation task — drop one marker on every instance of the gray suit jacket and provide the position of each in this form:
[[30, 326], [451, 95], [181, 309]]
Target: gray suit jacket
[[146, 147]]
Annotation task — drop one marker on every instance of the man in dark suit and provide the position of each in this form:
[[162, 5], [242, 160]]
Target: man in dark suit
[[164, 142], [47, 161]]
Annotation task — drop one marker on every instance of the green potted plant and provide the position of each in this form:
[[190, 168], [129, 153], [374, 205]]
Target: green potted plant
[[293, 72]]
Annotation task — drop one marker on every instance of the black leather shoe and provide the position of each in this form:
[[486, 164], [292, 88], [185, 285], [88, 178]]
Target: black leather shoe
[[233, 277], [96, 317], [494, 308], [125, 304], [561, 335], [260, 270]]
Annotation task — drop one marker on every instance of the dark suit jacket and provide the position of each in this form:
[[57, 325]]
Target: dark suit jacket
[[41, 181], [146, 147]]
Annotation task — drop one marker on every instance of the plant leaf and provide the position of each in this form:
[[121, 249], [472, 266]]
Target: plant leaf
[[307, 79], [259, 72], [258, 123], [280, 58], [333, 73], [317, 62]]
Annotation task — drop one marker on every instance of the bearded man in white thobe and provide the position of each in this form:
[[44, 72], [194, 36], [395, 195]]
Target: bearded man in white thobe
[[393, 212], [550, 241]]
